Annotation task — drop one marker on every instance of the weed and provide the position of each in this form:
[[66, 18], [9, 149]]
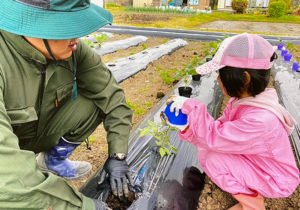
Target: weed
[[136, 108], [164, 41], [144, 46], [161, 134], [132, 53], [166, 75], [149, 104], [145, 89]]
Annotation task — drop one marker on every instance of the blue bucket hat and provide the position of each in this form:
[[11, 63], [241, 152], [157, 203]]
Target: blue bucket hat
[[52, 19]]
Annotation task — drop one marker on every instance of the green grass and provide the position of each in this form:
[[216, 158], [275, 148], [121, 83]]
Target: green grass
[[144, 46], [145, 89], [167, 75], [195, 21], [189, 21], [136, 108], [158, 10], [114, 8]]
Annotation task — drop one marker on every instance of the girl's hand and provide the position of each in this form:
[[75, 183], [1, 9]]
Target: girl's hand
[[164, 117], [177, 104]]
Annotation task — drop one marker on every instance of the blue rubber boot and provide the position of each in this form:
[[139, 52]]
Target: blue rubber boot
[[56, 161]]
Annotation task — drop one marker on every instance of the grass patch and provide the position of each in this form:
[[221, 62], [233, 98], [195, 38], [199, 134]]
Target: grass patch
[[193, 22], [145, 89], [149, 104], [167, 75], [159, 10], [136, 108], [114, 8], [144, 46]]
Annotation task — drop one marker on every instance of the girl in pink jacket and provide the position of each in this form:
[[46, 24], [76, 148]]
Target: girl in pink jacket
[[247, 151]]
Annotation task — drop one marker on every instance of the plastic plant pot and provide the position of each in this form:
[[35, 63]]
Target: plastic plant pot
[[284, 52], [296, 66], [280, 46], [287, 57], [208, 59], [181, 119], [196, 77], [185, 91]]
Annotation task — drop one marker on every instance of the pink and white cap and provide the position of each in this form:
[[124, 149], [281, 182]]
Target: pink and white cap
[[245, 50]]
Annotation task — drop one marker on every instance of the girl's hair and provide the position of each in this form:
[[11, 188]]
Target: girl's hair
[[234, 80]]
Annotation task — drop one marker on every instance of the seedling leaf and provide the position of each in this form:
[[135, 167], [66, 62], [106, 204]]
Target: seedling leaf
[[144, 131]]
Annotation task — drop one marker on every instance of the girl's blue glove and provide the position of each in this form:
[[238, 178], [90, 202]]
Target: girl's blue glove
[[176, 106], [177, 103]]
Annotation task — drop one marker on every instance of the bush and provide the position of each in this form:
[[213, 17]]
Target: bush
[[239, 5], [288, 3], [277, 9]]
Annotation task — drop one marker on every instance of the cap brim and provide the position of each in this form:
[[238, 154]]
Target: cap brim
[[30, 21], [209, 67]]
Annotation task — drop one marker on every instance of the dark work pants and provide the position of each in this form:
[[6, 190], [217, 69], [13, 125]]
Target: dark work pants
[[75, 121]]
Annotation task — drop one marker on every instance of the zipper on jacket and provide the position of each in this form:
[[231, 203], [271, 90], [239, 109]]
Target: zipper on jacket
[[42, 88], [42, 69]]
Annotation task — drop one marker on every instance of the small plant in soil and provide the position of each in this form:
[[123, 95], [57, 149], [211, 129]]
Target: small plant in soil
[[89, 43], [160, 132], [214, 46], [291, 47], [101, 38], [188, 70]]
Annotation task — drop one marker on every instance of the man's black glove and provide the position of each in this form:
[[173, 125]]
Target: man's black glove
[[99, 205], [118, 172]]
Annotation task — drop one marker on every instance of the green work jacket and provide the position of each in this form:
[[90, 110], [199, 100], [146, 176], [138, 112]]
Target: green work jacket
[[30, 88]]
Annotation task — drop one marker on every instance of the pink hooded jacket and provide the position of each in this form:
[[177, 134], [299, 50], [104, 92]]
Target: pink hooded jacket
[[249, 145]]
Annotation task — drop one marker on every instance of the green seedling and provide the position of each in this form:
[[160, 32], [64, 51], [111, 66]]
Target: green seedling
[[188, 70], [280, 41], [291, 47], [90, 140], [214, 46], [89, 43], [101, 38], [160, 133]]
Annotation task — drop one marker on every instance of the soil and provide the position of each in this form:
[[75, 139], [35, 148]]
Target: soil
[[142, 89], [115, 203], [259, 27]]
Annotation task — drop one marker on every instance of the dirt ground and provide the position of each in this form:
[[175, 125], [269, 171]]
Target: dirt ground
[[260, 27], [141, 89]]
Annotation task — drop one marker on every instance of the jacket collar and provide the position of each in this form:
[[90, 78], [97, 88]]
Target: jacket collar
[[27, 50]]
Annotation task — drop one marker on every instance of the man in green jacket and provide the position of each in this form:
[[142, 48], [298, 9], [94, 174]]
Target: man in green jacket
[[54, 92]]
